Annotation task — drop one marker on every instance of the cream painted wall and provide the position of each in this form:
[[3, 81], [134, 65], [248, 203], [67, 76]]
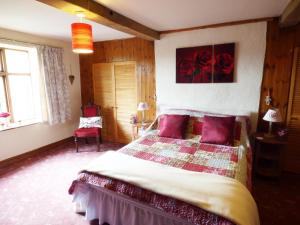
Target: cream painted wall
[[240, 97], [20, 140]]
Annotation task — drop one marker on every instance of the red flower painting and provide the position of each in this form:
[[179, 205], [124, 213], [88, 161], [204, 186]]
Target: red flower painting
[[224, 63], [205, 64]]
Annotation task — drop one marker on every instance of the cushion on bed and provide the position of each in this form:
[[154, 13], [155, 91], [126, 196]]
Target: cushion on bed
[[197, 128], [173, 126], [218, 130], [237, 130]]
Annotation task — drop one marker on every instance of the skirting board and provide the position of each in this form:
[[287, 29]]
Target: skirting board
[[11, 163]]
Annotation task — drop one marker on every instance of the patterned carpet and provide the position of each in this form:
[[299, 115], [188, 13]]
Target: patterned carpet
[[34, 192]]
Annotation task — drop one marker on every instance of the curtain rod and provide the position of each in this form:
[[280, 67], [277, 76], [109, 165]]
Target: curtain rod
[[27, 43]]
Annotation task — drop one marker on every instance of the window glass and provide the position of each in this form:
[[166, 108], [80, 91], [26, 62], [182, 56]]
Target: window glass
[[17, 61], [21, 97], [3, 106], [19, 85]]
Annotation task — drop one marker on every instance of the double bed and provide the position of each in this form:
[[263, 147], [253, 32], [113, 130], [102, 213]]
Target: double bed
[[158, 180]]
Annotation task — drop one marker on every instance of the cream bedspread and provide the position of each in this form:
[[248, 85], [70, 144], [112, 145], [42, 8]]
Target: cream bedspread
[[217, 194]]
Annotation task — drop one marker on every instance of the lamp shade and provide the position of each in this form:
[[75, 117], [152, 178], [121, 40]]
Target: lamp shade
[[273, 115], [82, 39], [142, 106]]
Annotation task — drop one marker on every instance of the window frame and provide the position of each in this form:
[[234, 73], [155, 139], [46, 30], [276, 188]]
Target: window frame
[[5, 75]]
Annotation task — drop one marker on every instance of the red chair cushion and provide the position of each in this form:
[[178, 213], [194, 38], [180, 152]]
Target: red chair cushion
[[90, 111], [87, 132]]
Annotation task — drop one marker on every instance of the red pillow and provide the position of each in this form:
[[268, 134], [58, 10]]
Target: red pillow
[[237, 131], [173, 126], [197, 127], [218, 130]]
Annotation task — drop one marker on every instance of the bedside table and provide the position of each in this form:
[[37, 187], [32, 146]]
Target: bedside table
[[268, 155], [138, 128]]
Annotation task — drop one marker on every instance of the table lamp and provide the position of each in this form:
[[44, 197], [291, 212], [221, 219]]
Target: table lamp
[[272, 116], [142, 107]]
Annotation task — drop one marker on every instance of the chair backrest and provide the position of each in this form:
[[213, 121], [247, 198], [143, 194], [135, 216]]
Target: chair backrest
[[90, 110]]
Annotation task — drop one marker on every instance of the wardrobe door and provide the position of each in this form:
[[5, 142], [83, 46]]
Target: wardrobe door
[[104, 96], [126, 98], [292, 153]]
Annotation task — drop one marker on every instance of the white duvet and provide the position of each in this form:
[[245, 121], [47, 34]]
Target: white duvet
[[217, 194]]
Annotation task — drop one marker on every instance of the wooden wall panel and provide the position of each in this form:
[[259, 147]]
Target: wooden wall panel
[[133, 49], [86, 78], [281, 43]]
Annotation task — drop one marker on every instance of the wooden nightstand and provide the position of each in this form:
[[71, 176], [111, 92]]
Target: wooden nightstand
[[138, 128], [268, 155]]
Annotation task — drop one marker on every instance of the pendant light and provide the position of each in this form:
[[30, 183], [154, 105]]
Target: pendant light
[[82, 38]]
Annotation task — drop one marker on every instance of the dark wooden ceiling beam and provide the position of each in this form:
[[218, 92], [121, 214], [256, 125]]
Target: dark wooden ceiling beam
[[105, 16], [291, 14]]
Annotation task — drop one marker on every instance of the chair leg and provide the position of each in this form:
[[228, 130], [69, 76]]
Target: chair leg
[[76, 143], [98, 144]]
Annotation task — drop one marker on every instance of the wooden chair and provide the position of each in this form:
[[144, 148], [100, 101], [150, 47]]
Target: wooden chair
[[89, 111]]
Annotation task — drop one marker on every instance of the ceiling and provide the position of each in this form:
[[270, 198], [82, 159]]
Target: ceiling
[[175, 14], [34, 17]]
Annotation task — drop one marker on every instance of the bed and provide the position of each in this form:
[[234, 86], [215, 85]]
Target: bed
[[138, 195]]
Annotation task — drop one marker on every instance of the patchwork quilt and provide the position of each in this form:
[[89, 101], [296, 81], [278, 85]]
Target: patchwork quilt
[[189, 154]]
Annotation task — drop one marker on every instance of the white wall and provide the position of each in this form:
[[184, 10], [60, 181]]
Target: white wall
[[20, 140], [240, 97]]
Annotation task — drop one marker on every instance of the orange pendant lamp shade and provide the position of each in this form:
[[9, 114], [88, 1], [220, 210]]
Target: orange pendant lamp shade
[[82, 39]]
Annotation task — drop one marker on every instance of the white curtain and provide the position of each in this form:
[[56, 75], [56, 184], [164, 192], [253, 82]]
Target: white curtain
[[58, 99]]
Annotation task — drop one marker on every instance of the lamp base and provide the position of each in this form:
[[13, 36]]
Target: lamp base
[[269, 134]]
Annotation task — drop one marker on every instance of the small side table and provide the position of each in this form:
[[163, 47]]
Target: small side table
[[268, 155], [137, 129]]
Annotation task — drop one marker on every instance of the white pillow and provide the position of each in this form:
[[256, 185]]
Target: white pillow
[[88, 122]]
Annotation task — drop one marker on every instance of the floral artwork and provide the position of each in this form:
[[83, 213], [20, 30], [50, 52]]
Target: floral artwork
[[223, 63], [205, 64]]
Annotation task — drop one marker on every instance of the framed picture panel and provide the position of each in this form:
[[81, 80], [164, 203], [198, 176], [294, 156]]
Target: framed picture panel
[[205, 64]]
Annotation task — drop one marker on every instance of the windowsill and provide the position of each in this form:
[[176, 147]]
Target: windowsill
[[18, 124]]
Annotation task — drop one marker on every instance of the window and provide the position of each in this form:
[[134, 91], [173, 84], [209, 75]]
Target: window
[[19, 89]]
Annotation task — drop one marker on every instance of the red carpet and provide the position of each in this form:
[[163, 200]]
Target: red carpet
[[35, 191], [278, 200]]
